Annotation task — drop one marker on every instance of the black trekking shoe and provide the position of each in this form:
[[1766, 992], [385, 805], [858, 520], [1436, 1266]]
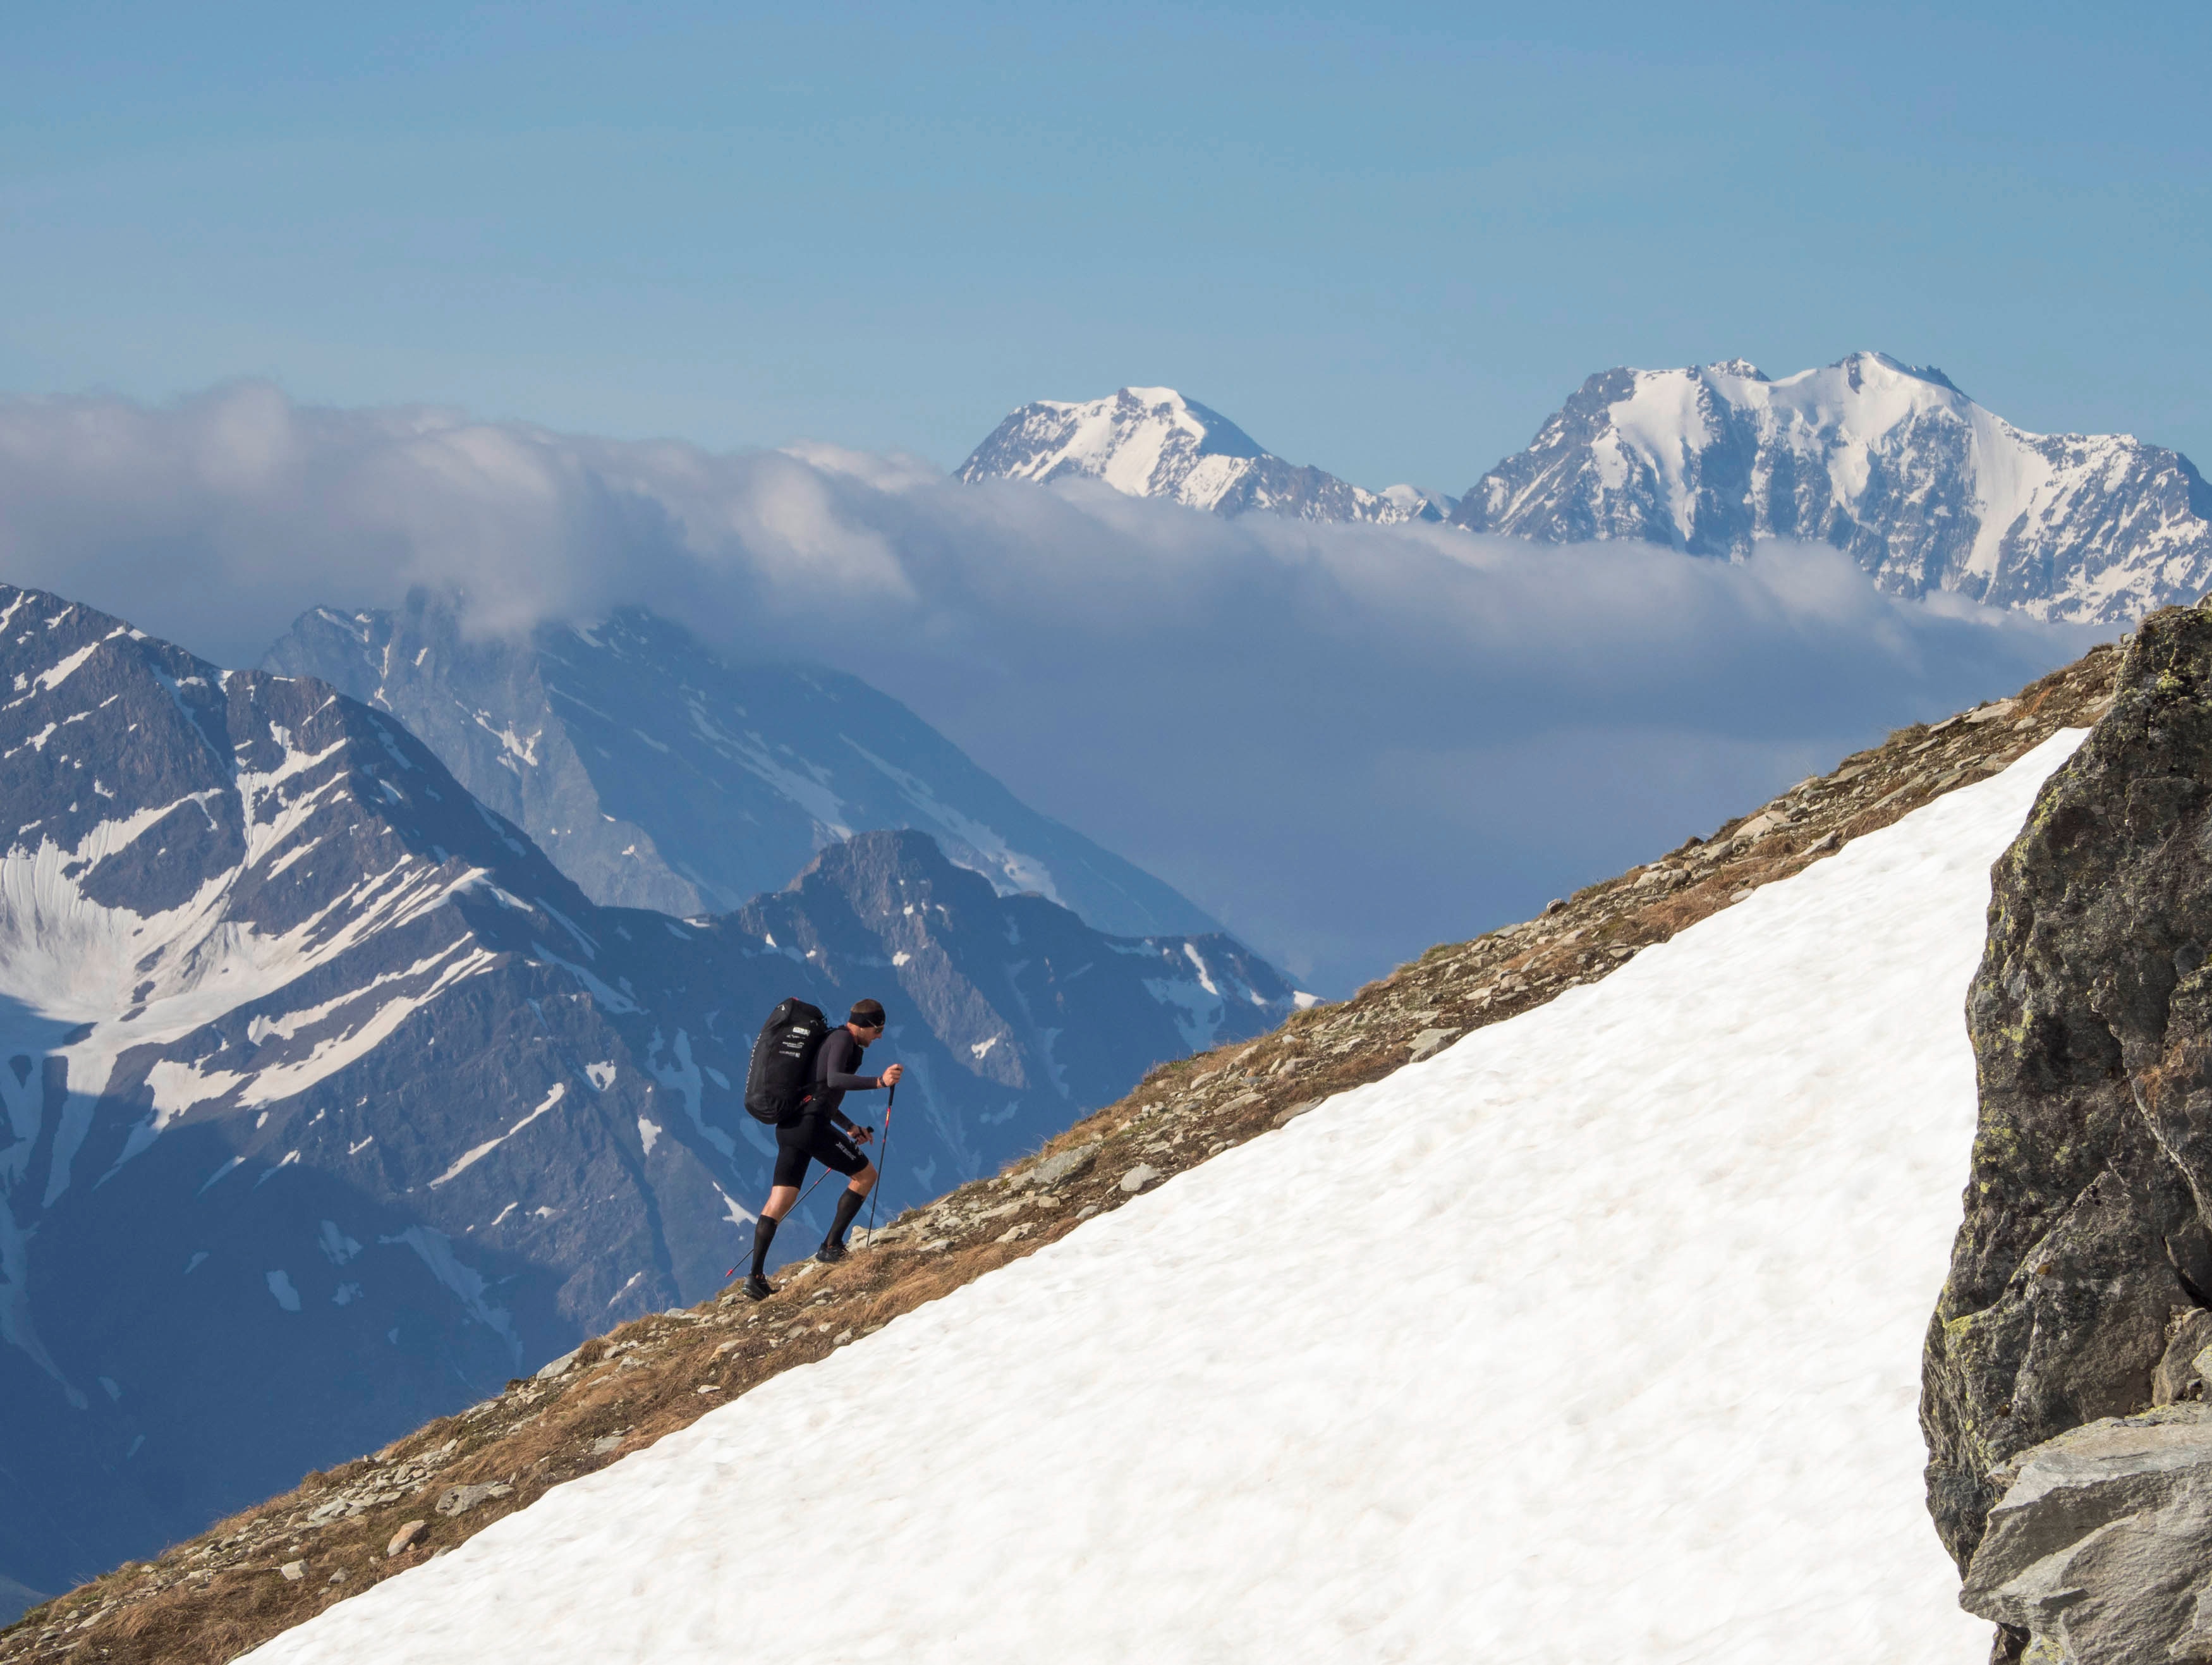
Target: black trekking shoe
[[830, 1253], [758, 1288]]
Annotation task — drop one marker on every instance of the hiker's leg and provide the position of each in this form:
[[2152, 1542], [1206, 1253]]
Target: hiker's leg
[[783, 1192], [792, 1155], [861, 1179], [763, 1235], [848, 1204]]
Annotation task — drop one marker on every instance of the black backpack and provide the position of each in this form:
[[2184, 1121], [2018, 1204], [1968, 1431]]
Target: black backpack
[[783, 1067]]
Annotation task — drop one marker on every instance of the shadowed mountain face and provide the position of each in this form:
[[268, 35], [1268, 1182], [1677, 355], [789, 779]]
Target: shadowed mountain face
[[656, 775], [16, 1599], [1923, 486], [327, 1103]]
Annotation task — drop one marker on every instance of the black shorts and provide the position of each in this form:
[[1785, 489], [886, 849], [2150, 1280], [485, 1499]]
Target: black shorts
[[817, 1138]]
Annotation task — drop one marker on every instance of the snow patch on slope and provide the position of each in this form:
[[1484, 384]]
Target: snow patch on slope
[[469, 1158], [1639, 1382]]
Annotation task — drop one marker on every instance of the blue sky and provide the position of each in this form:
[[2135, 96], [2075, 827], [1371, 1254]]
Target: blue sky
[[1387, 243]]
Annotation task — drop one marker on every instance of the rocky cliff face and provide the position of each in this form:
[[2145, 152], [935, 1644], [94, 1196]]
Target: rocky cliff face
[[2084, 1254]]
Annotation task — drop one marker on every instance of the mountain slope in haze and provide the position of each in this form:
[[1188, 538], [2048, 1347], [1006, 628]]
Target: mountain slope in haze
[[1923, 487], [330, 1102], [1153, 442], [657, 775], [209, 1600]]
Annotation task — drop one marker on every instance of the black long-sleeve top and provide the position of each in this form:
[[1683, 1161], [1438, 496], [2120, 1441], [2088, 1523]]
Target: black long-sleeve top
[[835, 1076]]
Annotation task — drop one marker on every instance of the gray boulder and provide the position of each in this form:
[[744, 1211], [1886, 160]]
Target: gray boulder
[[2100, 1548], [459, 1499], [1431, 1042], [1067, 1165], [2180, 1374]]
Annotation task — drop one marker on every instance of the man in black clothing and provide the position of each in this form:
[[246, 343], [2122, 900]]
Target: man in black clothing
[[822, 1132]]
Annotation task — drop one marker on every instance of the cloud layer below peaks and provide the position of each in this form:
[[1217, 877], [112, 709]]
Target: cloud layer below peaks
[[1348, 742]]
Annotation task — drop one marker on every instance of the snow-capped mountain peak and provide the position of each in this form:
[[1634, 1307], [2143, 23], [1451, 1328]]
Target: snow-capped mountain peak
[[1142, 441], [1888, 461], [1419, 503], [1154, 442]]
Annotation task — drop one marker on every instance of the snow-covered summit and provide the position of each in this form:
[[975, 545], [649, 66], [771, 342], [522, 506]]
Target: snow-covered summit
[[1924, 488], [1153, 442]]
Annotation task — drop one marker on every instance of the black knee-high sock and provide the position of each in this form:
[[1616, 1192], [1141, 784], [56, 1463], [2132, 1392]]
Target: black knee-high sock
[[847, 1206], [763, 1235]]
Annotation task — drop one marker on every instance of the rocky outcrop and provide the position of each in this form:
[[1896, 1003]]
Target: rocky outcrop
[[2084, 1258], [2101, 1548]]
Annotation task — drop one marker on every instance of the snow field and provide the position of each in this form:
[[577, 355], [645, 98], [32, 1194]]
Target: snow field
[[1595, 1337]]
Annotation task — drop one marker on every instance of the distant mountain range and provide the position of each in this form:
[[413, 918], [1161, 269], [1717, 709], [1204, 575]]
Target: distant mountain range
[[1153, 442], [1894, 465], [1923, 487], [657, 775], [328, 1101]]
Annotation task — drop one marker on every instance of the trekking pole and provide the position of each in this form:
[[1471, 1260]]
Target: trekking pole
[[794, 1208], [881, 1166]]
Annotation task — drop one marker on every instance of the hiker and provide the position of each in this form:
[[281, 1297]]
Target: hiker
[[821, 1132]]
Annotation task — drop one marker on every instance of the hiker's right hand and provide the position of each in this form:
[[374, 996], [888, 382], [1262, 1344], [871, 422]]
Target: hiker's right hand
[[892, 1075]]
